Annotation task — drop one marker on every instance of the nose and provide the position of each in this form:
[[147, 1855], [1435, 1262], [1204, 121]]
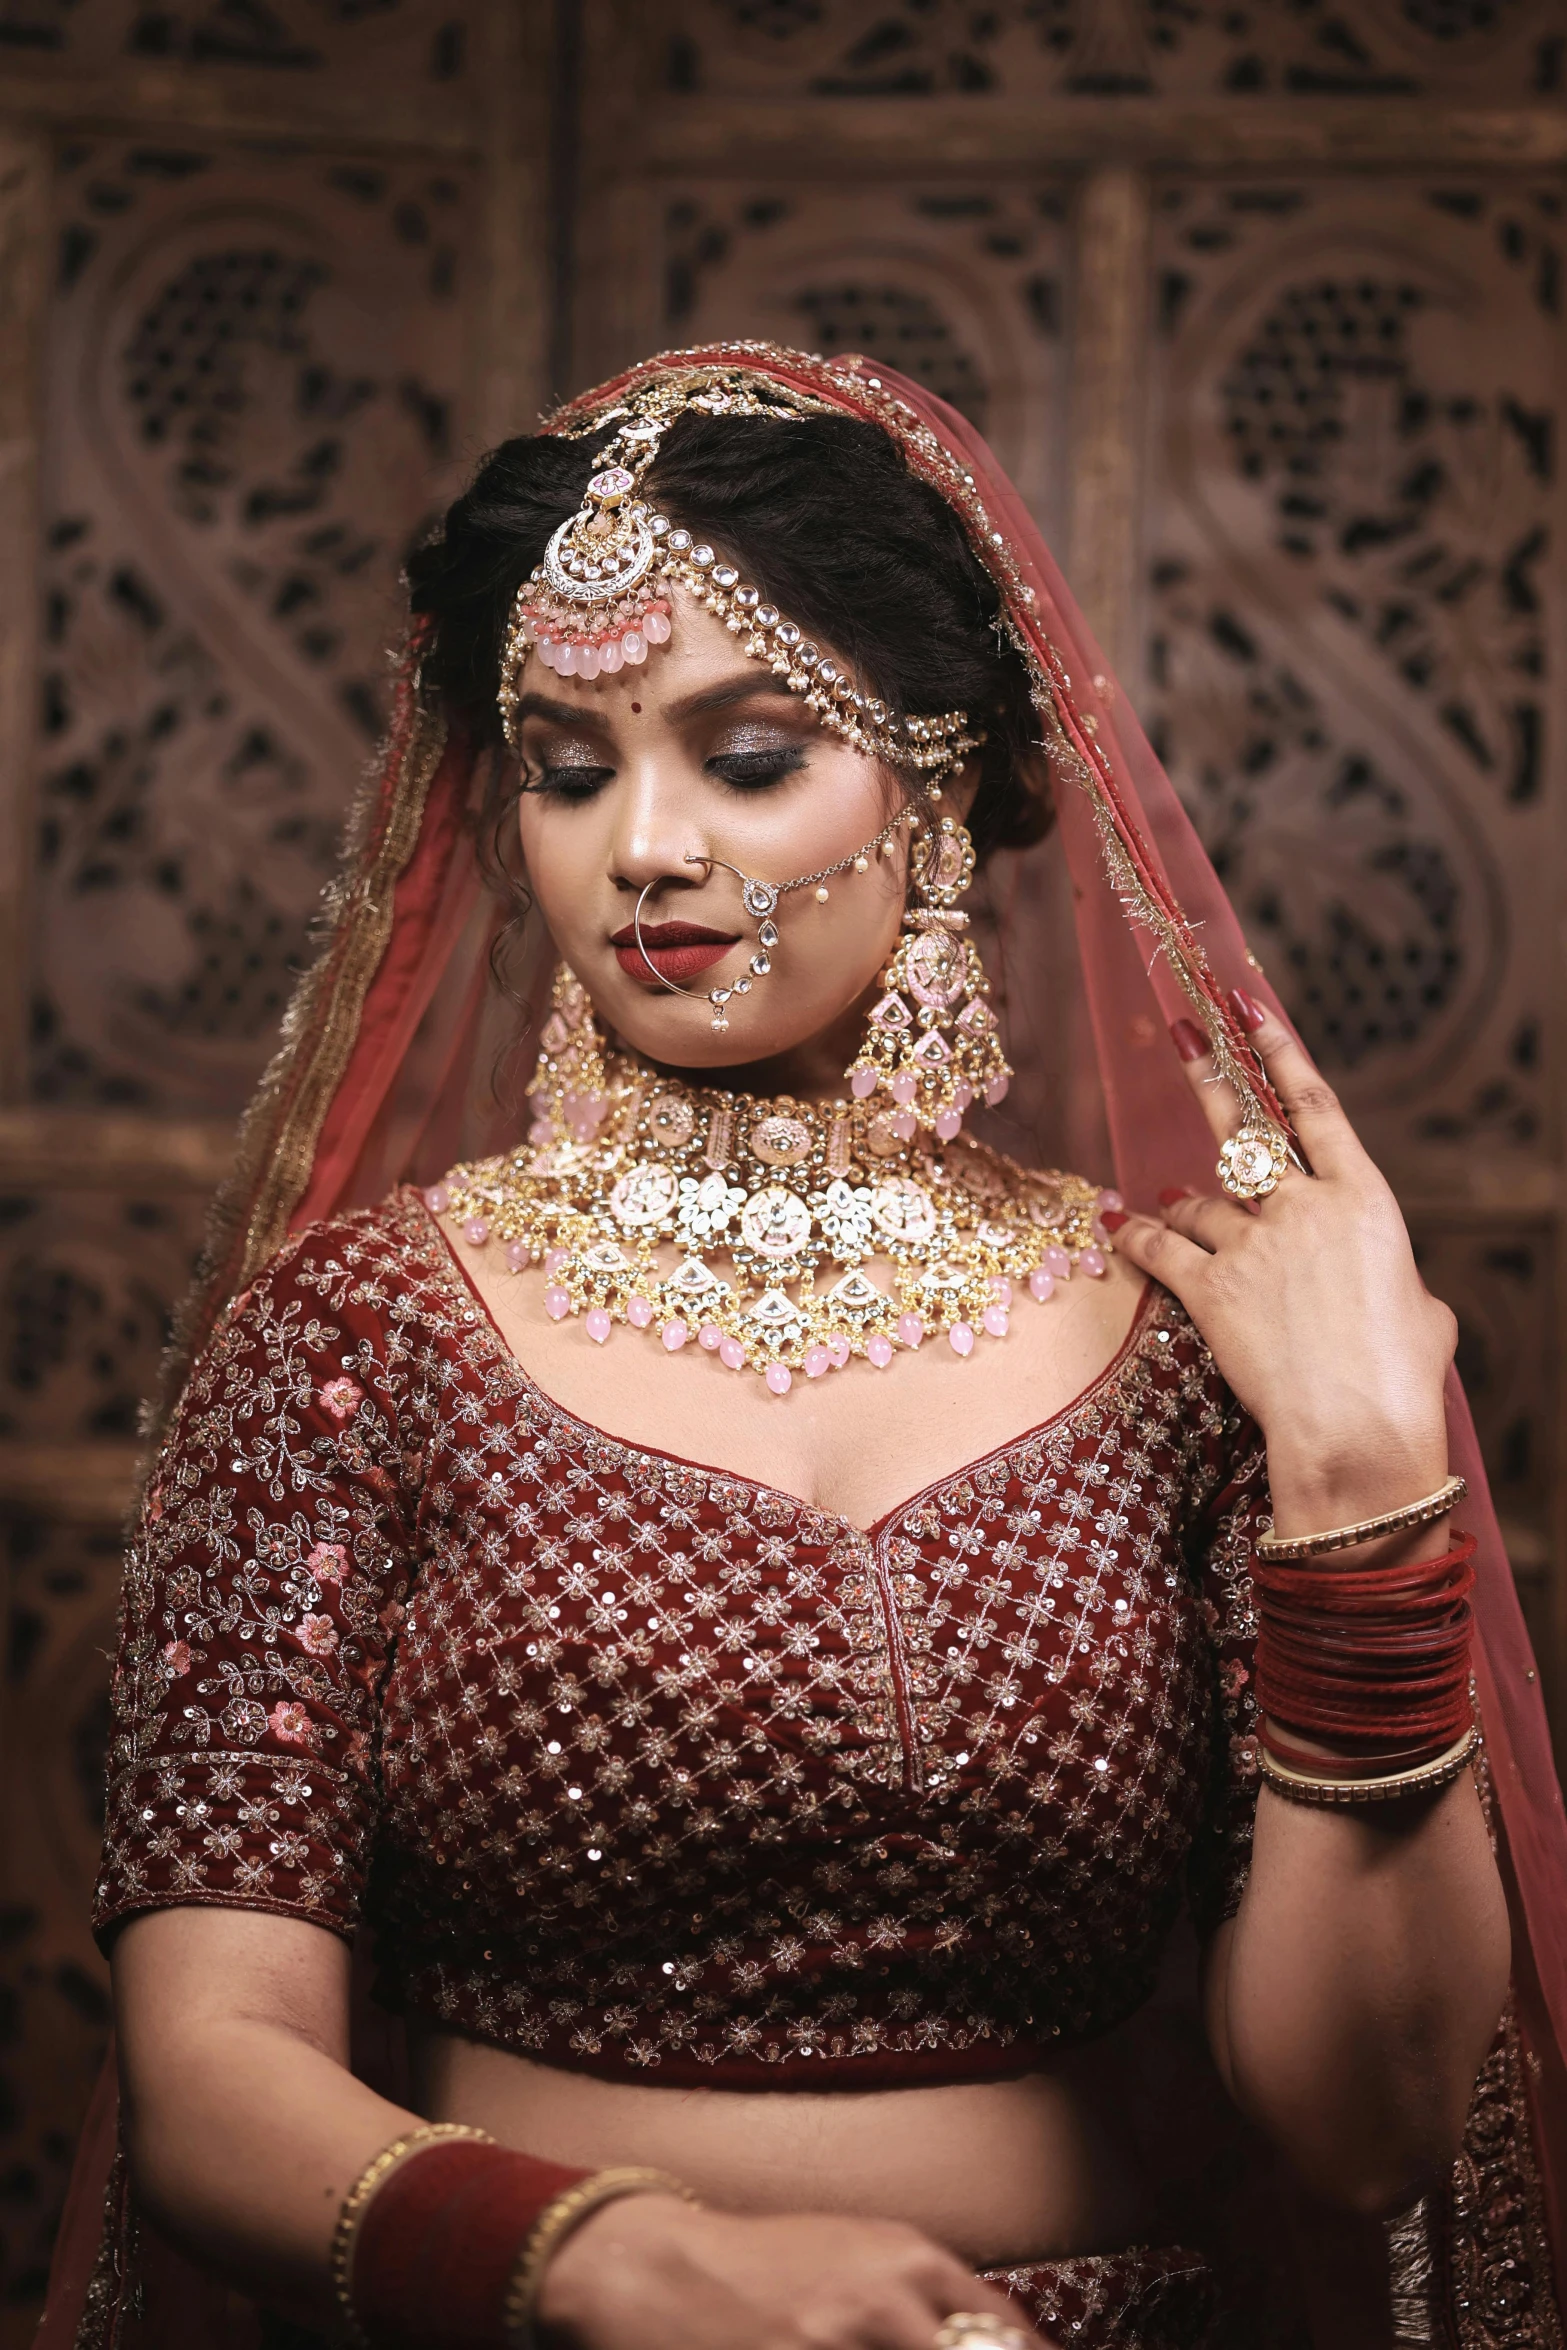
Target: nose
[[652, 839]]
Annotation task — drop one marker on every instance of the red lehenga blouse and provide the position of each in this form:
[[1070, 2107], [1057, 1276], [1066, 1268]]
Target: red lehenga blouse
[[639, 1767]]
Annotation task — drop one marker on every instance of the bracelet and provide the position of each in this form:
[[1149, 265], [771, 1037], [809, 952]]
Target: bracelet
[[1415, 1513], [357, 2201], [1424, 1779], [554, 2224]]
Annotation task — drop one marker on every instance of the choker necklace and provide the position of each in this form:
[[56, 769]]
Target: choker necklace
[[748, 1224]]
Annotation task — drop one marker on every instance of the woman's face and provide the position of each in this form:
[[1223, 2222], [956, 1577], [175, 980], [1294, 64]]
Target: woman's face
[[701, 751]]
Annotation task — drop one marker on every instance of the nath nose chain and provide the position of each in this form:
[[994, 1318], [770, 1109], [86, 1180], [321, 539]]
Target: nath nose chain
[[601, 597], [760, 900]]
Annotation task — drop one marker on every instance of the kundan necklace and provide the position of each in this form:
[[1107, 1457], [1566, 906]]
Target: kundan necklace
[[749, 1224]]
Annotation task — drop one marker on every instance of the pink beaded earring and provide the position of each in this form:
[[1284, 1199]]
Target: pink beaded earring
[[932, 1041]]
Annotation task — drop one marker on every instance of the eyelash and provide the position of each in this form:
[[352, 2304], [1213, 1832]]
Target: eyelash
[[743, 771]]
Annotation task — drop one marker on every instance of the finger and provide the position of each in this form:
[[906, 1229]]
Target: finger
[[1177, 1263], [1311, 1105], [1210, 1222], [1215, 1099]]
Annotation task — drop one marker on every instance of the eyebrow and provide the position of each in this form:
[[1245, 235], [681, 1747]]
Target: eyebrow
[[713, 697]]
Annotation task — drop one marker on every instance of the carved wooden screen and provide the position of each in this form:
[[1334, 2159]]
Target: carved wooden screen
[[1259, 302]]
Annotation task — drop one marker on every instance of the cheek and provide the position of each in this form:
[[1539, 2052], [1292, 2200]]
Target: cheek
[[560, 861]]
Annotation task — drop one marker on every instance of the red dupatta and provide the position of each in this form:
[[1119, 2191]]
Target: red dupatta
[[380, 1077]]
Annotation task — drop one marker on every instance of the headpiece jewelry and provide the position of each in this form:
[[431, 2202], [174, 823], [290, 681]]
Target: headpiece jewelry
[[601, 596]]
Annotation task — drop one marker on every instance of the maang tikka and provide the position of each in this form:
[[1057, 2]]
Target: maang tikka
[[932, 1040], [601, 598]]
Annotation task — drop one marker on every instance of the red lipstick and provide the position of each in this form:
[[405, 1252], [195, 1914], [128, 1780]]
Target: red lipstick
[[676, 950]]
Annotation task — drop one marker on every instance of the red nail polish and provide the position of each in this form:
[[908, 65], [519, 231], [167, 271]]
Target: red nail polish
[[1247, 1009], [1112, 1218], [1190, 1041], [1167, 1199]]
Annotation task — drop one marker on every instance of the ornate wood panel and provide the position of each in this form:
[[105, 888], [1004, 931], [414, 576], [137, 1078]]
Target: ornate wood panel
[[255, 365], [1507, 49], [1260, 303], [1354, 604]]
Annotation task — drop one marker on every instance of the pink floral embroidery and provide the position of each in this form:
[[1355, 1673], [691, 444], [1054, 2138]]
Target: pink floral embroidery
[[342, 1398], [328, 1562], [176, 1655], [1235, 1676], [291, 1723], [318, 1634], [1247, 1753]]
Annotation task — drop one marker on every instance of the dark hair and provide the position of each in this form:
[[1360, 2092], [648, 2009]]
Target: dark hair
[[822, 515]]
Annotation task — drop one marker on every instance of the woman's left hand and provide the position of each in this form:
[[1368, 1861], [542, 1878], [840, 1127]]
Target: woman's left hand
[[1309, 1299]]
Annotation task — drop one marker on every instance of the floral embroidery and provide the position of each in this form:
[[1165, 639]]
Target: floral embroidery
[[662, 1771], [342, 1398]]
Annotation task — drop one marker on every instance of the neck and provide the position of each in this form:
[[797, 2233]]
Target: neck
[[808, 1072]]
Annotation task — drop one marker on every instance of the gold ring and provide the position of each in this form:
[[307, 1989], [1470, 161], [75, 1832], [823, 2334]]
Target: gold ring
[[977, 2329], [1251, 1162]]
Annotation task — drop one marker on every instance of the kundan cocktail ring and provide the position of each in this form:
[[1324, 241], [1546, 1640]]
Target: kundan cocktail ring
[[1251, 1162], [977, 2329]]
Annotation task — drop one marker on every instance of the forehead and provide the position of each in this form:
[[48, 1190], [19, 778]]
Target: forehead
[[702, 658]]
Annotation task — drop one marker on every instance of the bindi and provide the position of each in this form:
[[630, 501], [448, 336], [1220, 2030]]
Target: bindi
[[637, 709]]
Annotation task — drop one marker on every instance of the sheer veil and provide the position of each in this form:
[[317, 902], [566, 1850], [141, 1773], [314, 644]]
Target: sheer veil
[[384, 1074]]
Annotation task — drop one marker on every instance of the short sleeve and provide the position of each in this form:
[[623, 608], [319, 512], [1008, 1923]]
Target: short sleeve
[[265, 1580], [1236, 1511]]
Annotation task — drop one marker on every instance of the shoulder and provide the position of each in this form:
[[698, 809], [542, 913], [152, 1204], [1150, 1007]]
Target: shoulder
[[362, 1304], [363, 1265]]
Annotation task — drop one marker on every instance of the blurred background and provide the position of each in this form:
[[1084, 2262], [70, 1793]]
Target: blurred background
[[1260, 302]]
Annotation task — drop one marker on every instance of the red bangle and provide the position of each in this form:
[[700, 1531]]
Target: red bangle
[[1375, 1661], [439, 2241]]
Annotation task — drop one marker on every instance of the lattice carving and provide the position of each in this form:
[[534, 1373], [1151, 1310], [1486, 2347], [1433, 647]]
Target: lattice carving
[[87, 1283], [394, 42], [255, 372], [962, 288], [1396, 49], [1350, 611]]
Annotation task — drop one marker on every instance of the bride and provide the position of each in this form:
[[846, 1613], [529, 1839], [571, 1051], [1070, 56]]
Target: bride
[[767, 1610]]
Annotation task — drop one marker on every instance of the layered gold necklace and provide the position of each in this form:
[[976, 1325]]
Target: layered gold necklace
[[783, 1236]]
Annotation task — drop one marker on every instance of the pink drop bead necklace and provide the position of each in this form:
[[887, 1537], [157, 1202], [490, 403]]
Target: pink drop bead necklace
[[788, 1238]]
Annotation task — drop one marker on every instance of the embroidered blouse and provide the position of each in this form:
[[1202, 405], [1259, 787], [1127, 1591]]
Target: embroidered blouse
[[641, 1768]]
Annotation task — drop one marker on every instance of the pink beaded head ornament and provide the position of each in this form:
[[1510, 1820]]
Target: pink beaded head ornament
[[601, 596]]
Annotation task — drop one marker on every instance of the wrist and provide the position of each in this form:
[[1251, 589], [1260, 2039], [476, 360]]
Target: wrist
[[616, 2247], [1337, 1482]]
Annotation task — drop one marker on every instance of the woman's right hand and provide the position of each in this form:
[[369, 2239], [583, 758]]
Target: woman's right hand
[[649, 2272]]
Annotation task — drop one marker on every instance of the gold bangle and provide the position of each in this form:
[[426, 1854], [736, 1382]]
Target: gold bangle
[[550, 2230], [356, 2203], [1415, 1513], [1423, 1779]]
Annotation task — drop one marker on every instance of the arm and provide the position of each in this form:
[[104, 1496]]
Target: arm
[[1352, 1999], [246, 2130]]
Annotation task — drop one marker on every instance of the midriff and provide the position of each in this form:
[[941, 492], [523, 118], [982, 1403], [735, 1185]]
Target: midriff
[[999, 2171]]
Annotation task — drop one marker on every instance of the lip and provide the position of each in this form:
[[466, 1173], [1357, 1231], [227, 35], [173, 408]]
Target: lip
[[676, 950]]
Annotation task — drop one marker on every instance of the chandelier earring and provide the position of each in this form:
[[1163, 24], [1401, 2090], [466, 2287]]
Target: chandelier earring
[[932, 1042], [571, 1086]]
